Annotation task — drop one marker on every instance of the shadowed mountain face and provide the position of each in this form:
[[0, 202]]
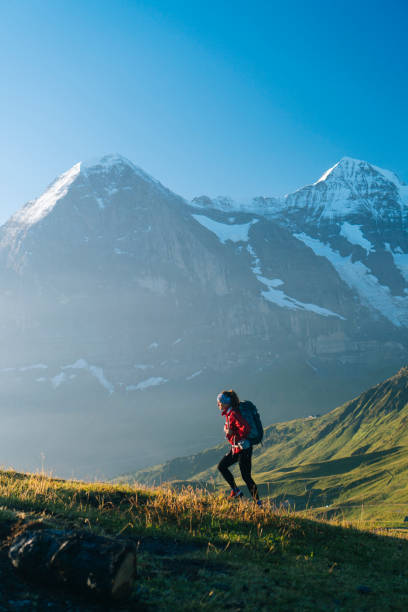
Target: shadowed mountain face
[[124, 309], [355, 453]]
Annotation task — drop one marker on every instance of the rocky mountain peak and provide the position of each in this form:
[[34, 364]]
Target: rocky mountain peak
[[114, 166], [351, 187], [107, 162], [94, 182], [353, 171], [346, 167]]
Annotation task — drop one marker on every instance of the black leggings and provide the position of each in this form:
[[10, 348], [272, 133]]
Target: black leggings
[[245, 459]]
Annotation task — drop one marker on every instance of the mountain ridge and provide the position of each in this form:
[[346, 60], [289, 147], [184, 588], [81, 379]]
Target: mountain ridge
[[345, 168], [373, 422], [343, 176]]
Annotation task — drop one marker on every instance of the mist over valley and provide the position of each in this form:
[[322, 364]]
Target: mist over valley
[[125, 309]]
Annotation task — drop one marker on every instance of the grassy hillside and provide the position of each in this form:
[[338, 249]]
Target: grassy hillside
[[355, 456], [200, 551]]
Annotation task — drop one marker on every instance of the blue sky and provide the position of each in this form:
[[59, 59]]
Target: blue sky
[[210, 97]]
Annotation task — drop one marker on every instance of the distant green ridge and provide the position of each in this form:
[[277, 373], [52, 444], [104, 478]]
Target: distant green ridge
[[357, 453]]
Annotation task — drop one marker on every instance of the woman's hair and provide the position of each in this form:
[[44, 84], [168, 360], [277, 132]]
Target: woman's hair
[[234, 398]]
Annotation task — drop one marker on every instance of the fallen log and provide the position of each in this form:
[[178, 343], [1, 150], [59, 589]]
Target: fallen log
[[78, 559]]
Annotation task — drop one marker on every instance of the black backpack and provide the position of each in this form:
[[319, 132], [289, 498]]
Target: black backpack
[[251, 415]]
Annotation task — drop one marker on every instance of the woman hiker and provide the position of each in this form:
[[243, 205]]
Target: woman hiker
[[236, 430]]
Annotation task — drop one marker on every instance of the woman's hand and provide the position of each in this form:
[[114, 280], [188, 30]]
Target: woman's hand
[[244, 444]]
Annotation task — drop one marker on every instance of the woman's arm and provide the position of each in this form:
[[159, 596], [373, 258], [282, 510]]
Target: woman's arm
[[240, 425]]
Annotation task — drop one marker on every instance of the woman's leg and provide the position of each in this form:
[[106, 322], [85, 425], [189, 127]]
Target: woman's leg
[[224, 464], [245, 465]]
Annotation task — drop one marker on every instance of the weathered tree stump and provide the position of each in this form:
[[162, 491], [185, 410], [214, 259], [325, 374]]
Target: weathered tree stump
[[77, 559]]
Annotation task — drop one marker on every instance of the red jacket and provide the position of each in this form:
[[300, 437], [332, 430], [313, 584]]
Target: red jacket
[[236, 428]]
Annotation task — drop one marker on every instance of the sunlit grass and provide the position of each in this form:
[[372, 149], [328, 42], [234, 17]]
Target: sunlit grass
[[235, 555]]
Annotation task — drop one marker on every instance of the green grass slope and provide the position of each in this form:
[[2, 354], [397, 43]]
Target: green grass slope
[[356, 454], [199, 551]]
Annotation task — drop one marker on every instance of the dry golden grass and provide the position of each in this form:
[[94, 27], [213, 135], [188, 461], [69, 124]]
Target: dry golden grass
[[218, 554]]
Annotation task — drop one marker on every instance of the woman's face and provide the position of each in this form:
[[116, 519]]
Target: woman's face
[[222, 406]]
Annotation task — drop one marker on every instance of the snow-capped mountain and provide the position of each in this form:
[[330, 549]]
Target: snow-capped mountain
[[356, 217], [352, 188], [139, 306]]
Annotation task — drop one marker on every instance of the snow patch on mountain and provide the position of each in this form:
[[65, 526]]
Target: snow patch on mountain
[[153, 381], [222, 203], [57, 380], [326, 174], [278, 297], [359, 278], [96, 371], [36, 366], [120, 252], [354, 235], [194, 375], [37, 209], [260, 205], [400, 260], [225, 231]]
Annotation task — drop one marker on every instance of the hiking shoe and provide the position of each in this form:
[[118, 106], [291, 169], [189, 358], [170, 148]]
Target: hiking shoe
[[235, 493]]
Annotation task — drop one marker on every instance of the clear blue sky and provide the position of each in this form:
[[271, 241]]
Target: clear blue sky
[[211, 97]]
